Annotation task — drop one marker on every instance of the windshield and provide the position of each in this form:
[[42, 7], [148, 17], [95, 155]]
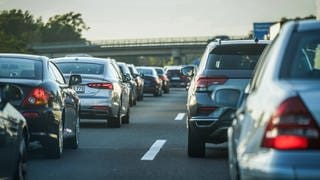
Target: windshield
[[81, 68], [235, 57], [303, 57], [20, 68]]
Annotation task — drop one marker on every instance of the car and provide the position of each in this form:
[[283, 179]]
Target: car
[[275, 133], [139, 80], [152, 82], [224, 64], [165, 80], [103, 93], [125, 71], [189, 70], [48, 103], [14, 135], [176, 77]]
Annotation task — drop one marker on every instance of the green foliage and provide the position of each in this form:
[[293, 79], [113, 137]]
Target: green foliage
[[20, 29], [62, 28]]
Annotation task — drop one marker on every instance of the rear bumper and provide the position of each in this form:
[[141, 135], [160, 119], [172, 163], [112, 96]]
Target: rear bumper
[[42, 123], [209, 129], [97, 108], [272, 164]]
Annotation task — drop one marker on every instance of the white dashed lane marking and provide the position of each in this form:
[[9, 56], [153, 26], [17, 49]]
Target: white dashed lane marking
[[154, 150], [179, 117]]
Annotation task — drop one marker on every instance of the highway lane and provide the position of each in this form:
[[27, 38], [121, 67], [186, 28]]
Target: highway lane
[[152, 146]]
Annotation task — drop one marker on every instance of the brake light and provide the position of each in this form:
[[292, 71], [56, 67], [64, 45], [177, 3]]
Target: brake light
[[206, 110], [202, 82], [292, 127], [37, 96], [101, 85]]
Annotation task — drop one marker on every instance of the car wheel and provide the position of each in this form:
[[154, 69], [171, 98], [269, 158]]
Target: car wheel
[[73, 142], [167, 90], [22, 161], [54, 145], [135, 102], [115, 122], [196, 146], [126, 118]]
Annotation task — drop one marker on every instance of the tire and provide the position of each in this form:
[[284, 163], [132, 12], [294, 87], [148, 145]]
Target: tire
[[126, 118], [131, 100], [73, 142], [114, 122], [21, 171], [196, 146], [54, 146], [167, 90]]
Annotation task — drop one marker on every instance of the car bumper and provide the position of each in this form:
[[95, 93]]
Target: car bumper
[[97, 108], [280, 165], [209, 129], [42, 123]]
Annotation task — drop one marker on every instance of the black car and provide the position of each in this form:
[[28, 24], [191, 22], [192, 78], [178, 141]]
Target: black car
[[49, 105], [14, 135], [176, 77], [139, 80], [152, 82], [125, 71], [165, 80]]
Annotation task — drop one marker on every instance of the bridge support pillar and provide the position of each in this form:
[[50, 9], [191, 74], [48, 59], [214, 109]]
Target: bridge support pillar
[[176, 55]]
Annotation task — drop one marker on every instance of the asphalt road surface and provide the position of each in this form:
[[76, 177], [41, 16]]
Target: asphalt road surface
[[152, 146]]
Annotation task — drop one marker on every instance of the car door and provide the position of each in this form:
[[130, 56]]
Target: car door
[[68, 100]]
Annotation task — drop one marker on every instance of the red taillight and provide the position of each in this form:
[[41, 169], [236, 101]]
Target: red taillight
[[37, 96], [206, 110], [101, 85], [163, 78], [292, 127], [203, 83]]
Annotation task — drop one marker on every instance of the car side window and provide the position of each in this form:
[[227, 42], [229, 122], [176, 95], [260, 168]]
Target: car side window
[[260, 68], [56, 73]]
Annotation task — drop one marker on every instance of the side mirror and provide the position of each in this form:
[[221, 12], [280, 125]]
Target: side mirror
[[188, 71], [126, 78], [10, 93], [227, 97], [75, 79]]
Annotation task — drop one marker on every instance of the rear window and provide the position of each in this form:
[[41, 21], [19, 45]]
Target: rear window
[[146, 71], [235, 57], [20, 68], [160, 71], [302, 59], [81, 68]]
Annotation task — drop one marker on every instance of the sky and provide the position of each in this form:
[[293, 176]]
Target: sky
[[132, 19]]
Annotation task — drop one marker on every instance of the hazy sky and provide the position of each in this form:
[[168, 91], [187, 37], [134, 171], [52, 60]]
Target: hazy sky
[[118, 19]]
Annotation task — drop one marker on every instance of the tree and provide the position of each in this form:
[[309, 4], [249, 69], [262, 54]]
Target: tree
[[17, 29], [62, 28]]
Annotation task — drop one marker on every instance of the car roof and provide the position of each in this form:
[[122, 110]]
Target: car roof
[[216, 43], [25, 56], [83, 59]]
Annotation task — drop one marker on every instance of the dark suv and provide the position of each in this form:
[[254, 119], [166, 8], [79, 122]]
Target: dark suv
[[224, 65]]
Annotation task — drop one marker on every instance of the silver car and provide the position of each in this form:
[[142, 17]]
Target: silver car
[[275, 134], [224, 64], [103, 93]]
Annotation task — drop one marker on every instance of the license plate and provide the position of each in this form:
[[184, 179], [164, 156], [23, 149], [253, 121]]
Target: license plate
[[175, 78], [79, 89]]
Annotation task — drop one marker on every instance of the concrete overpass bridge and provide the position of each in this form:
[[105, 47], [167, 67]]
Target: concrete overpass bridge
[[174, 47]]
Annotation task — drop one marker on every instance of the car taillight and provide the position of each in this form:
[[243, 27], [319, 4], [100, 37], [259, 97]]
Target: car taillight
[[292, 127], [206, 110], [37, 96], [100, 85], [202, 83]]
